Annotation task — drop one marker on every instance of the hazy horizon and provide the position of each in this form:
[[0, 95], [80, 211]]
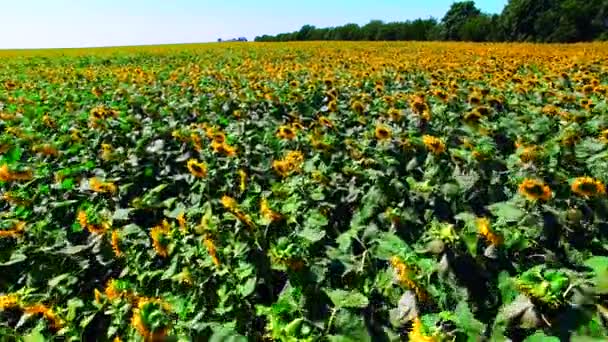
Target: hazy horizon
[[31, 24]]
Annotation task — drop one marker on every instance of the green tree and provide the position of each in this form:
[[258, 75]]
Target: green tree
[[456, 17]]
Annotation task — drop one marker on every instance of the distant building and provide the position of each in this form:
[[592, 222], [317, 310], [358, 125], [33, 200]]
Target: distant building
[[240, 39]]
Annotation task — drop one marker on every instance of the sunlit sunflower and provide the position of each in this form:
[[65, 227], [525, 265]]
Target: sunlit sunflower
[[535, 190], [197, 169], [484, 228], [286, 132], [404, 276], [229, 203], [472, 117], [9, 301], [115, 242], [97, 185], [54, 321], [588, 187], [281, 167], [433, 144], [267, 212], [382, 132], [475, 99], [211, 249], [417, 334]]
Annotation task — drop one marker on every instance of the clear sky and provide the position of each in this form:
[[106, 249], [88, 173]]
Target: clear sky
[[78, 23]]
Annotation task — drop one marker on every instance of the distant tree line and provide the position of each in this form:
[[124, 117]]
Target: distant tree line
[[549, 21]]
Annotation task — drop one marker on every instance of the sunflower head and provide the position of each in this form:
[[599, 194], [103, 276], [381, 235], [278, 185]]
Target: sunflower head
[[325, 121], [332, 106], [150, 319], [197, 169], [383, 133], [588, 187], [357, 107], [286, 132], [475, 99], [395, 114], [533, 190], [433, 144]]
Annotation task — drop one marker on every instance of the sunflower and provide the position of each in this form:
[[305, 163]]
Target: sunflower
[[294, 84], [5, 173], [419, 106], [181, 221], [535, 190], [160, 238], [9, 301], [97, 185], [332, 106], [267, 212], [395, 114], [588, 89], [82, 218], [417, 334], [243, 180], [219, 137], [529, 154], [588, 187], [357, 107], [211, 249], [383, 133], [325, 121], [229, 203], [16, 231], [197, 169], [484, 228], [295, 158], [150, 319], [404, 277], [281, 167], [442, 95], [115, 242], [40, 309], [433, 144], [604, 136], [286, 132], [475, 99], [473, 116]]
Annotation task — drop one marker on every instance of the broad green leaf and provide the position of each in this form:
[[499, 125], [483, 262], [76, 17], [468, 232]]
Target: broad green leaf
[[347, 299]]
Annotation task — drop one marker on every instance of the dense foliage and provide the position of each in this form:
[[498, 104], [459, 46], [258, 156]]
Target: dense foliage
[[521, 20], [305, 192]]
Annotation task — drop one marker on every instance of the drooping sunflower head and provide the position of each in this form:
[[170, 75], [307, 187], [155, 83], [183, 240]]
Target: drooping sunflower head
[[197, 169], [160, 238], [533, 190], [433, 144], [473, 117], [588, 187], [151, 320], [383, 132]]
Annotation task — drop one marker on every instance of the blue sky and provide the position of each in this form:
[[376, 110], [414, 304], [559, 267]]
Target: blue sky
[[78, 23]]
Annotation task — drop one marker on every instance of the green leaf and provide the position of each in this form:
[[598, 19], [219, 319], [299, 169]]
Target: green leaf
[[347, 299], [506, 211], [312, 235], [599, 265], [247, 288], [541, 337], [121, 214], [35, 336]]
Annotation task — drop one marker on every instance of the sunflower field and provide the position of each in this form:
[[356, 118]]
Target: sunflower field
[[305, 192]]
